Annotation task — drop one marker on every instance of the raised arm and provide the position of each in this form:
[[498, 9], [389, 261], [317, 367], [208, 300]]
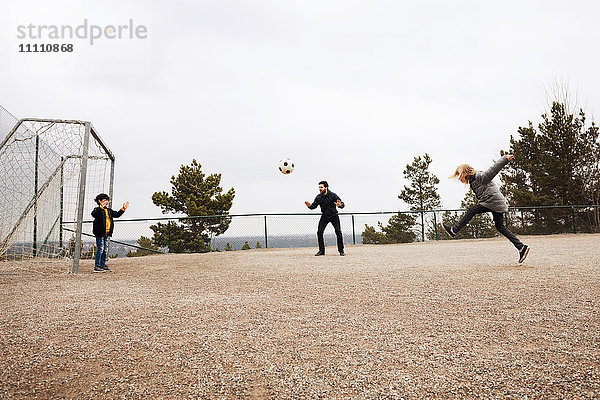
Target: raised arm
[[117, 214], [491, 172]]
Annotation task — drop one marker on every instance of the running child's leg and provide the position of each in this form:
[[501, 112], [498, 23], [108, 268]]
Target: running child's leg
[[471, 212], [499, 222]]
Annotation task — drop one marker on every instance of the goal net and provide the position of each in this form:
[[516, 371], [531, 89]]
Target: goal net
[[50, 170]]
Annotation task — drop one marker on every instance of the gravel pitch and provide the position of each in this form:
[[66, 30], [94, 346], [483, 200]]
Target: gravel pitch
[[448, 319]]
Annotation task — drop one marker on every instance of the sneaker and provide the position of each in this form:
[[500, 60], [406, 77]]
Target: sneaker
[[449, 230], [106, 269], [320, 253], [523, 253], [342, 253], [98, 269]]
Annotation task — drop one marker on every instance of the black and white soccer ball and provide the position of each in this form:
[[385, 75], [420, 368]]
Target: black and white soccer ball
[[286, 165]]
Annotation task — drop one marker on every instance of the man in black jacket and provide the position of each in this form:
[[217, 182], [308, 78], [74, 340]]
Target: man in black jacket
[[328, 202], [103, 228]]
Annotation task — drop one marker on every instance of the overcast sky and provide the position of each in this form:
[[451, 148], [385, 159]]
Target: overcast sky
[[351, 90]]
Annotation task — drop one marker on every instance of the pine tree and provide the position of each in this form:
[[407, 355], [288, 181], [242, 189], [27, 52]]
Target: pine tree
[[146, 243], [195, 195], [398, 230], [555, 164], [246, 246], [371, 236], [422, 193]]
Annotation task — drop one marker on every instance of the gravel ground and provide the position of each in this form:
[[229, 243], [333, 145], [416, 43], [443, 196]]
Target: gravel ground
[[449, 319]]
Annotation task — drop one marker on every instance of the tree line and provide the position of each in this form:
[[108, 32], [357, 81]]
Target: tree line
[[557, 163]]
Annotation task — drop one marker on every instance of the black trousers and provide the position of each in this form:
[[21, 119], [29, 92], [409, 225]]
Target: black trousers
[[335, 221], [498, 222]]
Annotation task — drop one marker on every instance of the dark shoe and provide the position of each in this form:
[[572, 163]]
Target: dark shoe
[[449, 230], [320, 253], [98, 269], [342, 253], [106, 269], [523, 253]]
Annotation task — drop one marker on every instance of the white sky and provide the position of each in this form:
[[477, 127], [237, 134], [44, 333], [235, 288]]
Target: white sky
[[351, 90]]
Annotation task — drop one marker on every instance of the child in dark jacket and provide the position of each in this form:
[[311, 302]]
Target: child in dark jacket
[[103, 229], [489, 200]]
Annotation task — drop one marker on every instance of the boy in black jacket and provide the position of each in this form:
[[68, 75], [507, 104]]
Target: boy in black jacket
[[103, 229]]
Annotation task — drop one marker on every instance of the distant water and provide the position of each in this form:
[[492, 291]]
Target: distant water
[[237, 242], [218, 243], [281, 241]]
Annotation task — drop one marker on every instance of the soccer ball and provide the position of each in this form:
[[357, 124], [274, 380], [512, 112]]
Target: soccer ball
[[286, 165]]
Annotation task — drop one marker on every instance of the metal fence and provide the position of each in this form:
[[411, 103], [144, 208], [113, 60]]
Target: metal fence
[[299, 229]]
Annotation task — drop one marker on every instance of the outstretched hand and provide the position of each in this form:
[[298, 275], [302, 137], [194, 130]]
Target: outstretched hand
[[307, 203], [338, 203], [125, 206], [510, 157]]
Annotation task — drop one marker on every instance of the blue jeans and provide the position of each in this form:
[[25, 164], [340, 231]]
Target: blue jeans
[[101, 251]]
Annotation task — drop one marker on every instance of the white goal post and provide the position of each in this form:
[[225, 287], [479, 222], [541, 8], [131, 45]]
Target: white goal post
[[50, 170]]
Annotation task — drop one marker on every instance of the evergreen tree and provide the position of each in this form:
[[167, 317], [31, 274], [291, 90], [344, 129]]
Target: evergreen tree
[[422, 193], [398, 230], [592, 186], [555, 164], [258, 246], [146, 243], [195, 195], [371, 236], [246, 246], [228, 247]]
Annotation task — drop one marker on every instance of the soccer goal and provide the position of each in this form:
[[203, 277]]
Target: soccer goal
[[50, 169]]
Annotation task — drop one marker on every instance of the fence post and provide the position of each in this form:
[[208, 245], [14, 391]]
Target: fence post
[[266, 240], [353, 231], [435, 225], [573, 216], [169, 232]]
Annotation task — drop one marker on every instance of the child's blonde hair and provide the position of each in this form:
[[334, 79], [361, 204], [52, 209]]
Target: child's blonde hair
[[463, 173]]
